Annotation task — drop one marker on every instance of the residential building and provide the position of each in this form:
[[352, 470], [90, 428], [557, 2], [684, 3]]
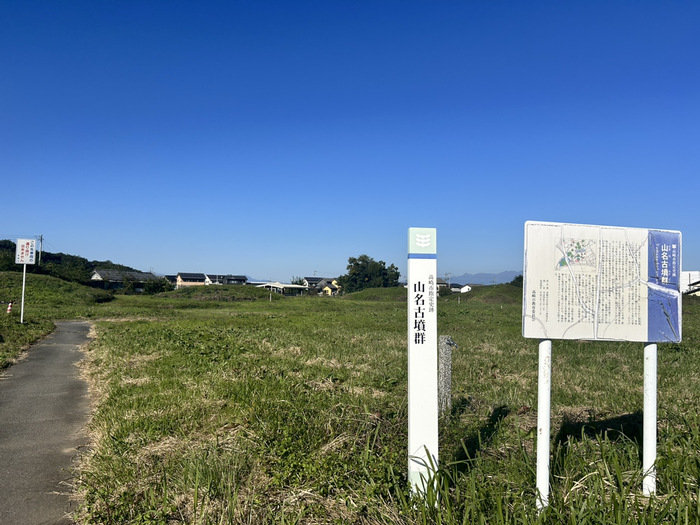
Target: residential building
[[115, 279], [190, 279]]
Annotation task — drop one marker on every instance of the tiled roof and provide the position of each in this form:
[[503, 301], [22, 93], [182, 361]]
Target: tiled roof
[[196, 277], [120, 275]]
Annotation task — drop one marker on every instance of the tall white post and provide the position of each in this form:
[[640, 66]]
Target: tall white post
[[422, 357], [649, 439], [24, 281], [544, 389]]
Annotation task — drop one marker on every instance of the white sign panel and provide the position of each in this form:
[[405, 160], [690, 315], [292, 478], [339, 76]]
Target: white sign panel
[[422, 356], [601, 283], [26, 251]]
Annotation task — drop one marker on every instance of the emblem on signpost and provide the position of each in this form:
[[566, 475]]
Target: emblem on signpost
[[423, 240]]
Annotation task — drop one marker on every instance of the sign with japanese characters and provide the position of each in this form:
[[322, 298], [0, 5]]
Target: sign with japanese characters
[[601, 283], [422, 355], [26, 251]]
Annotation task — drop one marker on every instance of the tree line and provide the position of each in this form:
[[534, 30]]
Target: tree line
[[61, 265]]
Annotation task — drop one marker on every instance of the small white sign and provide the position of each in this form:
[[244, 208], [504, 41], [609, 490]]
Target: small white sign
[[26, 251]]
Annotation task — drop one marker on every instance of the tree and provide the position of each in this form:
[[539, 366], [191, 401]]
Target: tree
[[518, 281], [155, 286], [365, 272]]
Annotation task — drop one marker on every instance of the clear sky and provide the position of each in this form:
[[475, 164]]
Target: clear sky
[[277, 139]]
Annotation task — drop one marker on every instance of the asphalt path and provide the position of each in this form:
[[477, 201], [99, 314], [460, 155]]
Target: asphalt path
[[43, 409]]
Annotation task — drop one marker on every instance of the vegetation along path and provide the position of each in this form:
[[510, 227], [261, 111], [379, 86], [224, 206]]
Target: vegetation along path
[[43, 407]]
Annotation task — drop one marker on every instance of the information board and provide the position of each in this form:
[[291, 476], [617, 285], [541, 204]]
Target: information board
[[601, 283], [26, 251]]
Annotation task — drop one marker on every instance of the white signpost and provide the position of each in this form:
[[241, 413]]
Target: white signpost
[[422, 357], [600, 283], [25, 254]]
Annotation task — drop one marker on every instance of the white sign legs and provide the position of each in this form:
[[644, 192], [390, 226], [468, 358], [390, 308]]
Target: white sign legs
[[24, 282], [544, 389], [422, 357], [649, 439]]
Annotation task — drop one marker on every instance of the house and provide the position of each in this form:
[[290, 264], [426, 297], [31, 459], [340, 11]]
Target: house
[[190, 279], [441, 283], [312, 282], [201, 279], [689, 282], [211, 278], [693, 289], [172, 279], [327, 287], [459, 288], [114, 279], [323, 285]]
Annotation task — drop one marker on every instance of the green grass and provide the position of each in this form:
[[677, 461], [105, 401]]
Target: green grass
[[221, 293], [213, 409], [46, 299]]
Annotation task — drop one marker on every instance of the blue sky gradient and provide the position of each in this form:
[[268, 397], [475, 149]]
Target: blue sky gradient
[[277, 139]]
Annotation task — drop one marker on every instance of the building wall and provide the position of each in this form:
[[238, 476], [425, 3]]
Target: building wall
[[182, 284]]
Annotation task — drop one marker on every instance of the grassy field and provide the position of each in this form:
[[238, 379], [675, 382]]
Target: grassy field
[[218, 406]]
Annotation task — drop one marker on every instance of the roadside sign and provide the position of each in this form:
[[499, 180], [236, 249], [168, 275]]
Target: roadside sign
[[422, 357], [26, 251], [24, 255], [601, 283]]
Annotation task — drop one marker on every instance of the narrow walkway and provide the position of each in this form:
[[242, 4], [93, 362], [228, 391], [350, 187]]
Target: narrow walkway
[[43, 407]]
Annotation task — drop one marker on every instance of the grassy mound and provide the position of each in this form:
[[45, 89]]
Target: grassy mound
[[221, 293], [46, 299], [495, 294], [397, 293], [46, 291]]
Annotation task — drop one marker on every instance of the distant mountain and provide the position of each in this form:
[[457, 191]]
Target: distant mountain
[[485, 278]]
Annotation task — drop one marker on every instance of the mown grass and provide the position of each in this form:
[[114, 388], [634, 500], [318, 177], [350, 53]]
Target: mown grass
[[295, 412], [219, 408]]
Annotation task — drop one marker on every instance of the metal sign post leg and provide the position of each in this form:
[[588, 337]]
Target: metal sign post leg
[[649, 439], [544, 388], [24, 281]]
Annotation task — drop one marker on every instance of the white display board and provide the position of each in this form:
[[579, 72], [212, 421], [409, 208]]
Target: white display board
[[26, 251], [601, 283], [422, 356]]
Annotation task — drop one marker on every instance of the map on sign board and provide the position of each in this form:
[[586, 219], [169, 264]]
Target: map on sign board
[[26, 251], [601, 283]]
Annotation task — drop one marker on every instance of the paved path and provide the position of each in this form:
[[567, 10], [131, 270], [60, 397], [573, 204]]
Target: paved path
[[43, 407]]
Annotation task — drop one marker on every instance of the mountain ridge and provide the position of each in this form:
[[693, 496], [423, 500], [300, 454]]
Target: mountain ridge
[[485, 278]]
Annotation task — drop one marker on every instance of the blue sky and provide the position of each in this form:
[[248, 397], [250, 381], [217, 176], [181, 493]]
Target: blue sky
[[277, 139]]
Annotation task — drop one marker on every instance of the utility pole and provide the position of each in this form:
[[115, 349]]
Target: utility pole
[[41, 247], [447, 276]]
